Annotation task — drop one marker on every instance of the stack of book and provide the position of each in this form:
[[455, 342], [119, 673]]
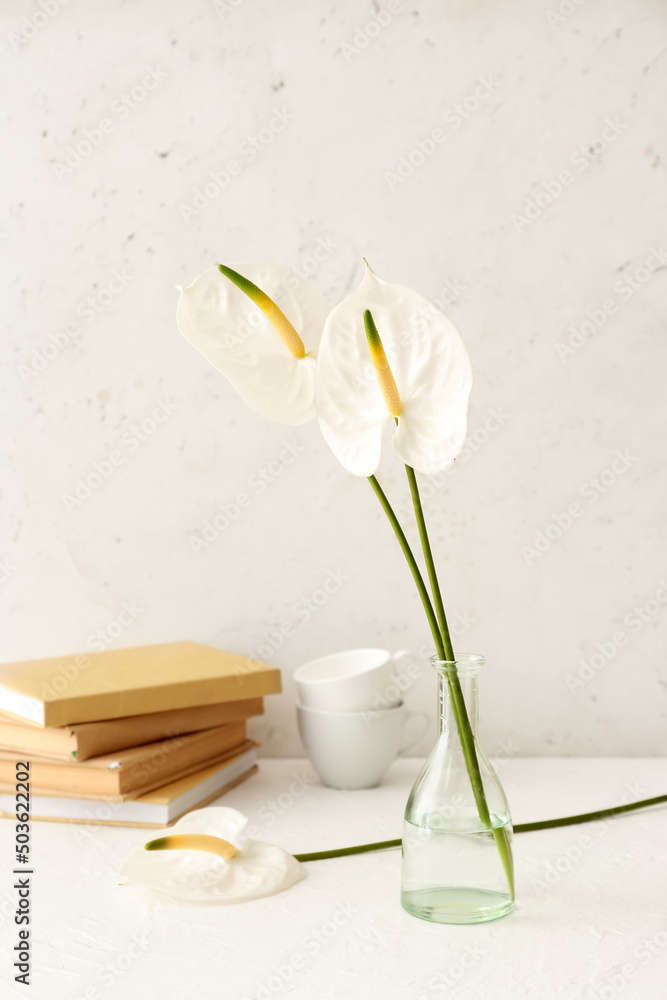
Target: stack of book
[[131, 736]]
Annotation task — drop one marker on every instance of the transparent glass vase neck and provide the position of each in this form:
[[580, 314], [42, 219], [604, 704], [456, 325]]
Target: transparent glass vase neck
[[465, 674]]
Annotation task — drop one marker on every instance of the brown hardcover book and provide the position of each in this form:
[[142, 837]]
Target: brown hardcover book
[[93, 739], [161, 807], [131, 772], [89, 687]]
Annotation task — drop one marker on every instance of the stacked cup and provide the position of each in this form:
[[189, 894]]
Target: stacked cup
[[351, 716]]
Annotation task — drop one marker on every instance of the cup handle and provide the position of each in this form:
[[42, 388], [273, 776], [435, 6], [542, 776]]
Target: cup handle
[[413, 743]]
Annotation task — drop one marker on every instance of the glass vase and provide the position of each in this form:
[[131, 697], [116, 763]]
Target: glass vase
[[457, 835]]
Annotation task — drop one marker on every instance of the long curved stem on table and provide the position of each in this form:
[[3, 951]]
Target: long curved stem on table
[[544, 824]]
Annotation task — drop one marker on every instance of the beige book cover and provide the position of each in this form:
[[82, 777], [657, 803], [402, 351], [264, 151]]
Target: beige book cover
[[131, 772], [89, 687], [93, 739], [161, 807]]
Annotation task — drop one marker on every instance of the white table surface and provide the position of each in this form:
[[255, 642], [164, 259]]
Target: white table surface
[[591, 927]]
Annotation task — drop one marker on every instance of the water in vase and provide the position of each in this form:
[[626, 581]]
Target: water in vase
[[454, 876]]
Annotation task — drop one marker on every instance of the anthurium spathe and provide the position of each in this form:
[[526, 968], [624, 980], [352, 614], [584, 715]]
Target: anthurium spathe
[[388, 353], [260, 325], [205, 858]]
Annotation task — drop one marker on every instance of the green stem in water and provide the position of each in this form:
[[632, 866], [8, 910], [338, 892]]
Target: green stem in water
[[545, 824], [456, 694]]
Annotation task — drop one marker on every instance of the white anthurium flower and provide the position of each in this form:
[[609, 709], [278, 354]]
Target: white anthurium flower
[[204, 858], [388, 353], [260, 325]]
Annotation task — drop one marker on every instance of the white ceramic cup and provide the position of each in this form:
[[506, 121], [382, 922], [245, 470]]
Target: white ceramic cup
[[354, 749], [352, 681]]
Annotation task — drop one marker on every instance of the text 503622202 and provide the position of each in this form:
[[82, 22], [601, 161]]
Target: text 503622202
[[22, 885]]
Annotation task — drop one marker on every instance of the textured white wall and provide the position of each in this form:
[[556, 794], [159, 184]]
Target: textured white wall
[[327, 109]]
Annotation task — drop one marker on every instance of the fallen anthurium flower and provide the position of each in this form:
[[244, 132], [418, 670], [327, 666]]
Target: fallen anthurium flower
[[205, 858], [261, 327]]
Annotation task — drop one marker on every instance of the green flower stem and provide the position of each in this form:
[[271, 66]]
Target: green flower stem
[[456, 694], [550, 824], [430, 564], [342, 852], [412, 562], [545, 824]]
